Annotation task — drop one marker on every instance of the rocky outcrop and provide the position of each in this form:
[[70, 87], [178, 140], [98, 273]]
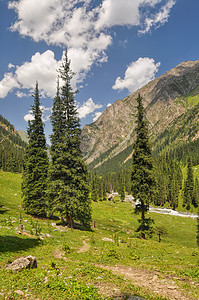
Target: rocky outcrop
[[114, 130], [28, 262]]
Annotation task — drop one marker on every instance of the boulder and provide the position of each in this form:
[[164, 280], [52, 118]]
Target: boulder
[[28, 262]]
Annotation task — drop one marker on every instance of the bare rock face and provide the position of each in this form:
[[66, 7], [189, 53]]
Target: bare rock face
[[114, 130], [28, 262]]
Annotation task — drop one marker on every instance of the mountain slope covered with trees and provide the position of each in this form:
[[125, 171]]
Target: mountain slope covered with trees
[[11, 147], [171, 105]]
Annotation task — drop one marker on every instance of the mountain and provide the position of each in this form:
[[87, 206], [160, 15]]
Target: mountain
[[171, 103], [12, 147], [23, 135]]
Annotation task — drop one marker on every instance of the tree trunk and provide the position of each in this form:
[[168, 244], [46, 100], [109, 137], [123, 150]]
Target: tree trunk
[[143, 221], [67, 218]]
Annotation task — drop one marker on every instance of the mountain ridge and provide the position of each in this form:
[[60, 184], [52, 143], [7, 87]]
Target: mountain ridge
[[165, 99]]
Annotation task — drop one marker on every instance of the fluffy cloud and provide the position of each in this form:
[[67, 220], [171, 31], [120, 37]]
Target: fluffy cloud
[[42, 68], [137, 74], [87, 108], [82, 28], [28, 117], [7, 84], [46, 113], [76, 24], [114, 12], [96, 116], [159, 18]]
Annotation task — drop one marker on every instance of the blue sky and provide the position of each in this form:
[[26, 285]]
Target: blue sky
[[115, 47]]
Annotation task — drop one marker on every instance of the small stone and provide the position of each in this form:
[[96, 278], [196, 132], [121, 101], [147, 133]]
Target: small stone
[[45, 279], [48, 235], [19, 292], [171, 287]]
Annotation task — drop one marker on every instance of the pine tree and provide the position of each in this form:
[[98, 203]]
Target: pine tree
[[68, 187], [197, 232], [196, 193], [142, 176], [188, 186], [36, 164]]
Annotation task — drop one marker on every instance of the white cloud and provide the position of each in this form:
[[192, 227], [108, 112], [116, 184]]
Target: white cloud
[[114, 12], [82, 29], [87, 108], [46, 113], [97, 115], [10, 66], [7, 84], [159, 18], [21, 94], [42, 68], [137, 74], [28, 117]]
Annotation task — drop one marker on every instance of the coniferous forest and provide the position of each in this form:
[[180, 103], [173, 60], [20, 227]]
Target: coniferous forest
[[61, 184], [11, 148]]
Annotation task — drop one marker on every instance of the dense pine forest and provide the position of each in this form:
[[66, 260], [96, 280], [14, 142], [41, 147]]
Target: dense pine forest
[[11, 148], [61, 178]]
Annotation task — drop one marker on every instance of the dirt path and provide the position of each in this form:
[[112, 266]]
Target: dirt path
[[84, 248], [149, 280]]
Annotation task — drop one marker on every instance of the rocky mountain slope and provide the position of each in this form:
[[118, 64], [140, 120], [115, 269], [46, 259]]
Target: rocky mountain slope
[[23, 135], [166, 99]]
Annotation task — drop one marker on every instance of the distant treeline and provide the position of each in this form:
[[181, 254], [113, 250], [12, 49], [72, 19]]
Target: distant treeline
[[168, 175]]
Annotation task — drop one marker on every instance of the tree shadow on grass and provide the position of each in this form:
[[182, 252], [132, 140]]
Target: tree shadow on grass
[[11, 243], [3, 209], [128, 297]]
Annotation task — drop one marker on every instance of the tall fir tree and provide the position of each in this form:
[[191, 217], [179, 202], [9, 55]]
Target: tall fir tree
[[36, 163], [197, 232], [188, 195], [68, 187], [142, 175], [196, 193]]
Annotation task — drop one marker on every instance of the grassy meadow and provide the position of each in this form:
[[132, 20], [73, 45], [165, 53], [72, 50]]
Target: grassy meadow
[[78, 264]]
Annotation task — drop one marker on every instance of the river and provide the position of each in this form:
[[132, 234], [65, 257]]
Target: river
[[171, 212]]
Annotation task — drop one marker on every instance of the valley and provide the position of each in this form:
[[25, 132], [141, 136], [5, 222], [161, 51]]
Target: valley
[[108, 262]]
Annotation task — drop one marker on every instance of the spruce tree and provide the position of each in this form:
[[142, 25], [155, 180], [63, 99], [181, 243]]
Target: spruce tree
[[142, 175], [188, 195], [34, 180], [68, 187], [197, 232], [196, 193]]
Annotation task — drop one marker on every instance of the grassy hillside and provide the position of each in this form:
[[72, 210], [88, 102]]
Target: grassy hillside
[[97, 264]]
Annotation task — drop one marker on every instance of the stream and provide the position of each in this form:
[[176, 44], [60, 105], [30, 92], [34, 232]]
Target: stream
[[171, 212]]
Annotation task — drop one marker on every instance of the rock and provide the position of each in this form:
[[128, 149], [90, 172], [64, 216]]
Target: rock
[[19, 292], [28, 262], [108, 240], [171, 287]]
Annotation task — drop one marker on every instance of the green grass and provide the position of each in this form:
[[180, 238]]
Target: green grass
[[189, 100], [66, 272]]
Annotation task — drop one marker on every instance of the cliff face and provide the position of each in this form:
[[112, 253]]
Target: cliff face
[[165, 99]]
